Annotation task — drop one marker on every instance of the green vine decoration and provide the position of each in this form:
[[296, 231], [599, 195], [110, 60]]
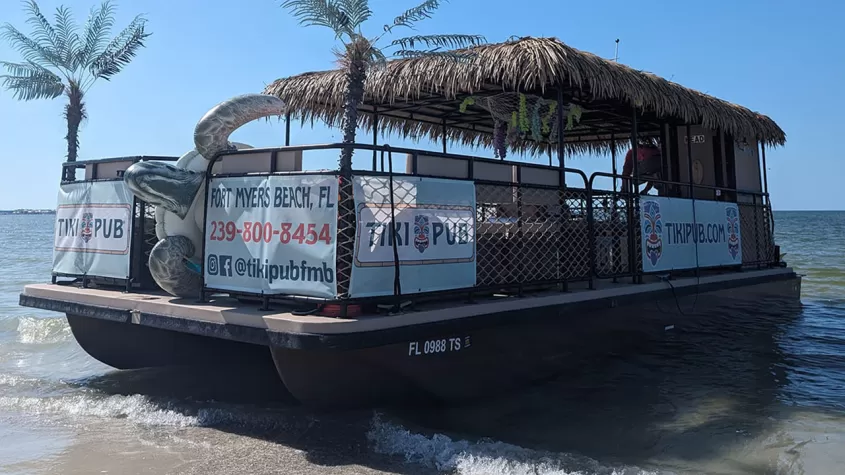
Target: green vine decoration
[[574, 113], [536, 128], [519, 117], [524, 125], [548, 116], [466, 103]]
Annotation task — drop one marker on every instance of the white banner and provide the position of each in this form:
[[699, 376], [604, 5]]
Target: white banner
[[272, 235], [93, 232], [434, 233], [671, 234]]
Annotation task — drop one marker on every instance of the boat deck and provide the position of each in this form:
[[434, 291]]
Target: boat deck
[[225, 317]]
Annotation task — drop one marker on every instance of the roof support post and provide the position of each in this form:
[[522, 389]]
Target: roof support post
[[766, 204], [663, 188], [634, 153], [613, 160], [692, 192], [634, 202], [444, 136], [561, 151], [765, 174], [287, 129], [375, 135], [613, 204], [561, 159], [689, 163]]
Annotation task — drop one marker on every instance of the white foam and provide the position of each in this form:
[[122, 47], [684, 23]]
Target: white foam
[[15, 380], [483, 457], [135, 408], [140, 409], [33, 330]]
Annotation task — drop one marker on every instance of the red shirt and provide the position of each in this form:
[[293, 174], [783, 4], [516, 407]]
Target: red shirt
[[643, 153]]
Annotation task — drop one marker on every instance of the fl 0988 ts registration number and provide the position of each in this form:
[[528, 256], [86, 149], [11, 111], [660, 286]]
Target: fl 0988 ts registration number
[[439, 345]]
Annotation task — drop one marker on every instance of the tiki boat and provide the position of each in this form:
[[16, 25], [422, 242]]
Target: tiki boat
[[423, 275]]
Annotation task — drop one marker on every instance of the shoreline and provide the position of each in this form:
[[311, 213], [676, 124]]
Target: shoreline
[[6, 212]]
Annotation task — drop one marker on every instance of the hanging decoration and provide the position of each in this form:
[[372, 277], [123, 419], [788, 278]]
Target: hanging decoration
[[518, 117], [500, 131], [466, 103], [574, 113]]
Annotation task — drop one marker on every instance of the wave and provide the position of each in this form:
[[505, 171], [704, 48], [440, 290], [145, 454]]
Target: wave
[[42, 331], [11, 380], [485, 456], [144, 410], [136, 408]]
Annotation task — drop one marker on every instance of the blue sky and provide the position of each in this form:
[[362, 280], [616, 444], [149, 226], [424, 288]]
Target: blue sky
[[782, 58]]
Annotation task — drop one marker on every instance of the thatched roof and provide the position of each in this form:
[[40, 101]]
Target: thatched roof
[[415, 97]]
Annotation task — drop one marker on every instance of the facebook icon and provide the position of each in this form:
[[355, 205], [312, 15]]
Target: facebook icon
[[225, 266]]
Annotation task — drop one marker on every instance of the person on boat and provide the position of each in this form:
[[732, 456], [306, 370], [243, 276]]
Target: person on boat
[[649, 166]]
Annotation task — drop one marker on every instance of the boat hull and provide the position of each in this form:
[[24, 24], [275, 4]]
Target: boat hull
[[460, 366], [126, 346], [441, 355]]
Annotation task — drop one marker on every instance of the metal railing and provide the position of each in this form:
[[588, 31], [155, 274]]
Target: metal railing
[[621, 207], [142, 225], [540, 227]]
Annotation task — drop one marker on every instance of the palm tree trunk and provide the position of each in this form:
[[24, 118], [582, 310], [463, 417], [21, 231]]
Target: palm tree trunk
[[355, 76], [74, 114]]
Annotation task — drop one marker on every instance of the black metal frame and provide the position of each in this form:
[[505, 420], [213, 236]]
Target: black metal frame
[[388, 151], [633, 228], [589, 191], [139, 274]]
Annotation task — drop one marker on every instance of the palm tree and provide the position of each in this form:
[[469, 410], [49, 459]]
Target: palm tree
[[58, 60], [359, 53]]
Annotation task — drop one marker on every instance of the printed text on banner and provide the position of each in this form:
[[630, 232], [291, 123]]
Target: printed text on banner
[[272, 235]]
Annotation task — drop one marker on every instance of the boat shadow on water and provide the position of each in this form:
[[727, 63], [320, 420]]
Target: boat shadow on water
[[703, 383], [697, 383], [248, 399]]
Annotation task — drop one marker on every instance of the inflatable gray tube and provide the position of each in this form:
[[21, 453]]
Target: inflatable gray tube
[[211, 135], [167, 266], [174, 189], [164, 185]]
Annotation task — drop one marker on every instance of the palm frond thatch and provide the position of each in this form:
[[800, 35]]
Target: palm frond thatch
[[526, 64]]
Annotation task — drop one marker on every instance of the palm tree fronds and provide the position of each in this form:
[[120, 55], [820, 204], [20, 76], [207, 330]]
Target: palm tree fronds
[[439, 41], [31, 81], [413, 15], [30, 49], [357, 11], [320, 13], [57, 60], [378, 59], [120, 51], [43, 31], [68, 39], [97, 29]]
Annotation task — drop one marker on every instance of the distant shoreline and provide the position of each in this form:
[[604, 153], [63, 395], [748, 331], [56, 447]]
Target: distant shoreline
[[26, 211], [4, 212]]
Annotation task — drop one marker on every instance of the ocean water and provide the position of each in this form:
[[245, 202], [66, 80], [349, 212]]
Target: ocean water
[[744, 392]]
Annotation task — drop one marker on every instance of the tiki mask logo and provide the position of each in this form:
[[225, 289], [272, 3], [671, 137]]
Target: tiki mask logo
[[87, 225], [653, 231], [421, 232], [733, 229]]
